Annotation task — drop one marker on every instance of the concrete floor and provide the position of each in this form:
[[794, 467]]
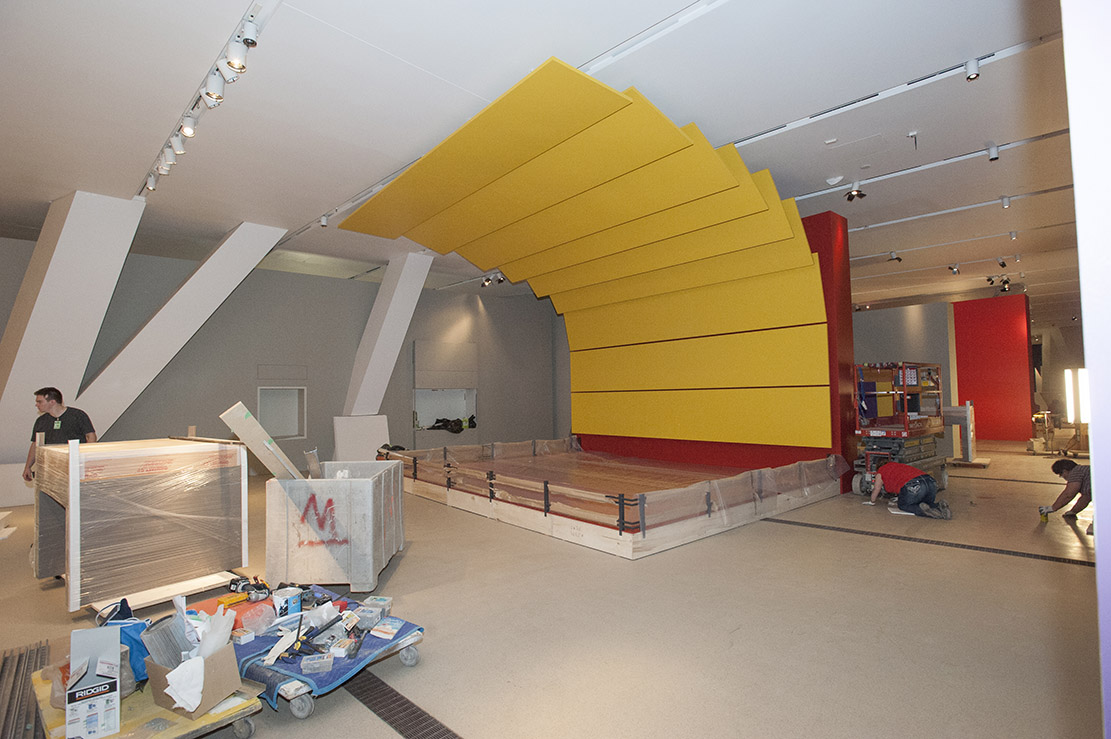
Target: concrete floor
[[769, 630]]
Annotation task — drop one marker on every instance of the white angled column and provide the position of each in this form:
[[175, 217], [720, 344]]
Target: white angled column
[[385, 332], [60, 306], [128, 374]]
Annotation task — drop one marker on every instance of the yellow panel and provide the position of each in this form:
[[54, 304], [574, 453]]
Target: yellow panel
[[527, 120], [779, 255], [747, 198], [783, 416], [630, 138], [686, 175], [798, 355], [764, 227], [790, 298]]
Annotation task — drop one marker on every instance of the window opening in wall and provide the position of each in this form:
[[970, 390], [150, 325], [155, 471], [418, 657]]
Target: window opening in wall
[[451, 405], [282, 412]]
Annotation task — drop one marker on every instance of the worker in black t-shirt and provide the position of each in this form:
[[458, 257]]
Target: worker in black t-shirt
[[59, 423]]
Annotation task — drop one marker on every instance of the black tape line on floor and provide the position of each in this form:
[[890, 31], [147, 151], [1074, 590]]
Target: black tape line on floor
[[403, 716], [1004, 479], [935, 542]]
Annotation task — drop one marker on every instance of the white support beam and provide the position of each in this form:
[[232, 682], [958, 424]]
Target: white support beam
[[163, 336], [60, 306], [384, 333]]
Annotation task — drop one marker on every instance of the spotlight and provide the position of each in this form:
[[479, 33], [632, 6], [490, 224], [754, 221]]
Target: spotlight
[[152, 181], [162, 167], [324, 221], [1074, 318], [1018, 257], [971, 69], [993, 152], [893, 257], [991, 280], [168, 155], [1014, 235], [225, 70], [188, 126], [500, 279], [1001, 262], [955, 269], [248, 32], [213, 89], [237, 56], [486, 280], [855, 193], [1006, 286], [177, 143], [1006, 202]]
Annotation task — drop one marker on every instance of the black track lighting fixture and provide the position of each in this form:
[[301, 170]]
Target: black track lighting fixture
[[955, 269], [1006, 286], [1001, 262], [893, 257], [991, 280], [855, 193]]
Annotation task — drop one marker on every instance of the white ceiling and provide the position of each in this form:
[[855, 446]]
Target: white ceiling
[[340, 95]]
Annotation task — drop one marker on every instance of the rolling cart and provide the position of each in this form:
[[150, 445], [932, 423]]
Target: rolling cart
[[898, 419], [296, 680]]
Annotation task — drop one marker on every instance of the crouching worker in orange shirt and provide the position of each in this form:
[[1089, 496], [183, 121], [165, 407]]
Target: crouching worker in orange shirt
[[917, 490]]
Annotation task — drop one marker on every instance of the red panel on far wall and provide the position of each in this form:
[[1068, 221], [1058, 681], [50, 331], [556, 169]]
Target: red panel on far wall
[[993, 364]]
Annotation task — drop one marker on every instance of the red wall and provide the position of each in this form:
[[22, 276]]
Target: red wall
[[828, 237], [993, 364]]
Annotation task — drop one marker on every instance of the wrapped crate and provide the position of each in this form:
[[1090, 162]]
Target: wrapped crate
[[117, 518], [342, 528]]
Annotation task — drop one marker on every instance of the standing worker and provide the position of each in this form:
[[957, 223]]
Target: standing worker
[[59, 423], [916, 489], [1078, 481]]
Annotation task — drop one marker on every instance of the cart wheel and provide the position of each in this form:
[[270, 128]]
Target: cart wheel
[[244, 728], [302, 706], [409, 656], [857, 480]]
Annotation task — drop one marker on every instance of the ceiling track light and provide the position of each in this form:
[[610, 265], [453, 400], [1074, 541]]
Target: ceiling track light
[[972, 69], [168, 155], [152, 181], [1001, 262], [236, 56], [1006, 202], [991, 280], [213, 89], [486, 280], [893, 257], [993, 152], [855, 192], [1018, 257], [162, 168], [177, 143], [955, 269], [324, 221], [188, 127], [248, 34], [226, 71], [1014, 235]]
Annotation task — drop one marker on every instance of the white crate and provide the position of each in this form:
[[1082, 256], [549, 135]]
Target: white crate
[[343, 528]]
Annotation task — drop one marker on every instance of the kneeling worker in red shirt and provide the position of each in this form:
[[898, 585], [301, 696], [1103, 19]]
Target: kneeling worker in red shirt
[[917, 490]]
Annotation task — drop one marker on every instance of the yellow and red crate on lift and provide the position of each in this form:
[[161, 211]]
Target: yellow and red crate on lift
[[898, 399]]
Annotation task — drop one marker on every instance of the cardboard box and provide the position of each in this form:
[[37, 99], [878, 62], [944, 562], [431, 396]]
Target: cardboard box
[[221, 679]]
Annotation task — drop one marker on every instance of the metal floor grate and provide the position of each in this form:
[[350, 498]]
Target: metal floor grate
[[19, 715], [405, 717]]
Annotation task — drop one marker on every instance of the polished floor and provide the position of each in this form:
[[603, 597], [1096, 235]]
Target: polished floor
[[847, 622]]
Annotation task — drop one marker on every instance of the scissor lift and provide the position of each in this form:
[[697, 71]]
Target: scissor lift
[[898, 419]]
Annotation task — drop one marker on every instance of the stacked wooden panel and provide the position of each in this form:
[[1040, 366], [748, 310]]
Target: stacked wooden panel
[[693, 305]]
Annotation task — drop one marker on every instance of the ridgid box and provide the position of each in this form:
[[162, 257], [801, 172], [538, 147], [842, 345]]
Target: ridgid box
[[342, 528]]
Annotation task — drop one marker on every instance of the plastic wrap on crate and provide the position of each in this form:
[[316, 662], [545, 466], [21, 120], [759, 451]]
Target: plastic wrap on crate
[[137, 515], [343, 528]]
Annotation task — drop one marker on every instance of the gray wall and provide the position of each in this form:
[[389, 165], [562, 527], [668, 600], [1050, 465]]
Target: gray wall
[[914, 333], [15, 255], [307, 329]]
